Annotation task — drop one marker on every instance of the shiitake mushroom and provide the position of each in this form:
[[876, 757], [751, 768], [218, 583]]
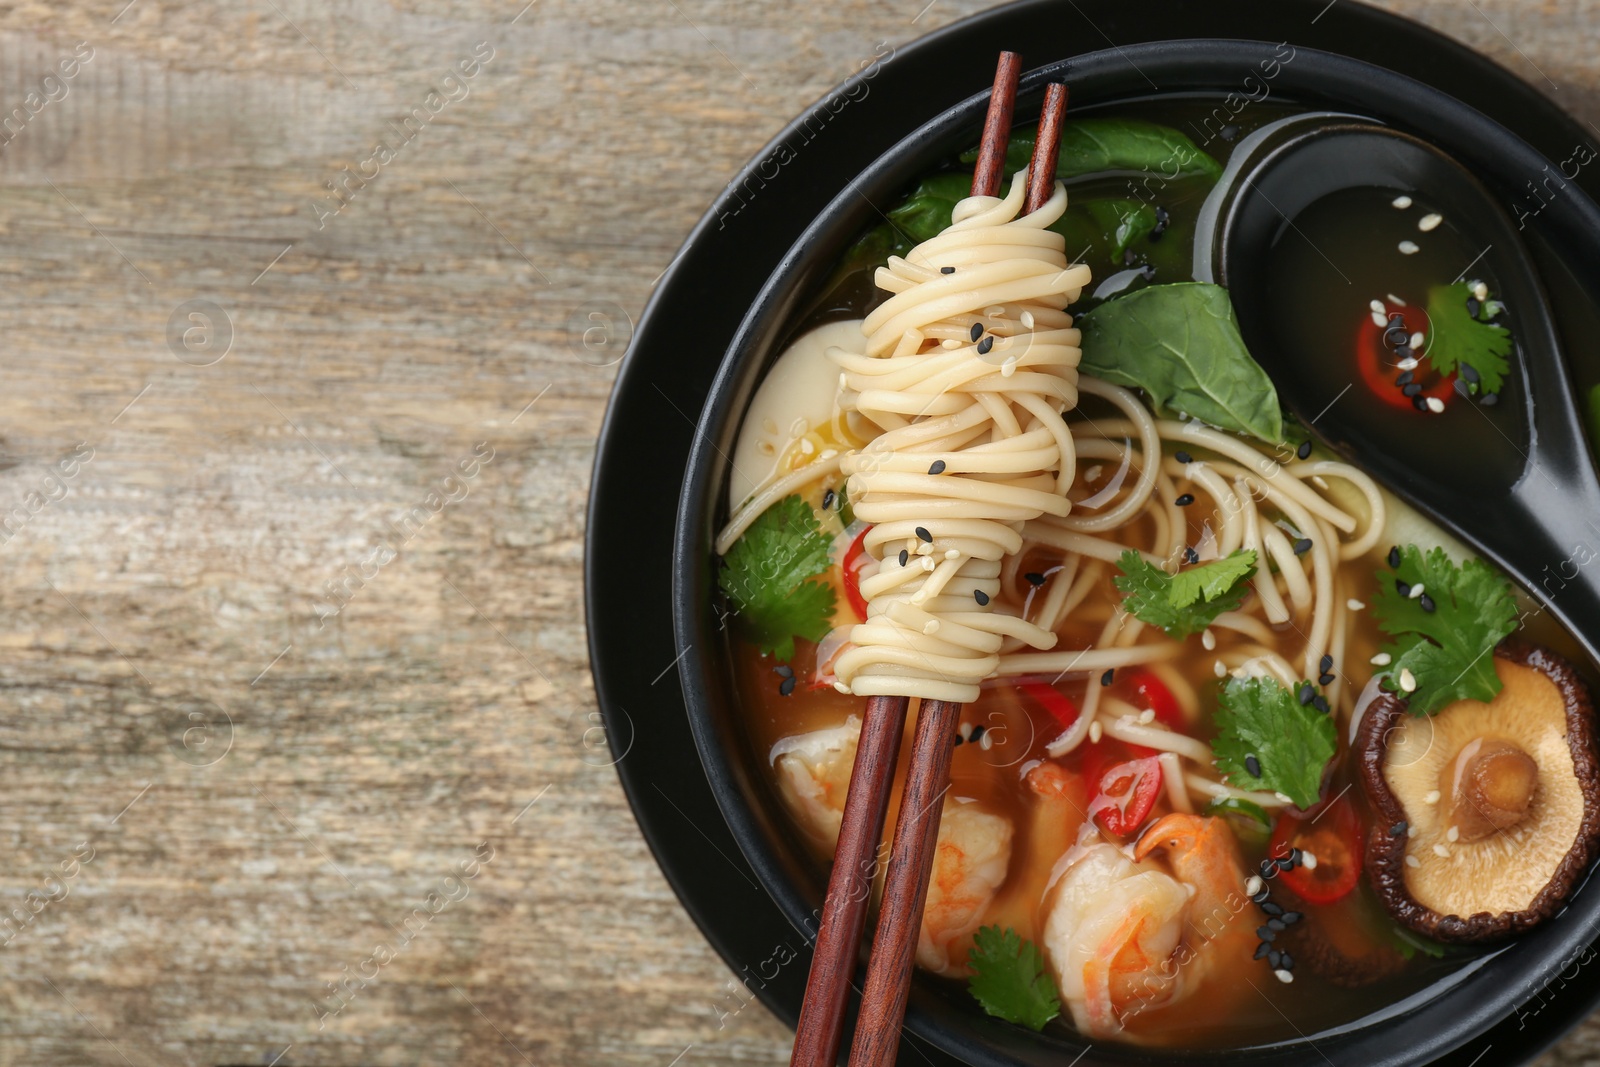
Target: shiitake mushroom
[[1488, 813]]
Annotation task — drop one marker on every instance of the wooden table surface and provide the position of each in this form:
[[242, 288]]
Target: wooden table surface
[[294, 442]]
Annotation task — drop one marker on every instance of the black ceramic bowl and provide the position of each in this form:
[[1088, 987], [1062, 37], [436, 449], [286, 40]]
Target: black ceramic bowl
[[1421, 1029]]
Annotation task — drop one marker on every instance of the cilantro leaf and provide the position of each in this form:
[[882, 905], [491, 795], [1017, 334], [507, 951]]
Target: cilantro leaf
[[1291, 742], [1457, 336], [769, 577], [1450, 650], [1009, 978], [1187, 602]]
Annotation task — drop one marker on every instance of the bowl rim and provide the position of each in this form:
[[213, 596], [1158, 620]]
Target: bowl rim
[[1189, 63]]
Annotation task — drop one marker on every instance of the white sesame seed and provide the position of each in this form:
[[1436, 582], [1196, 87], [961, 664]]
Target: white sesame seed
[[1252, 886], [1396, 301], [1380, 660], [1409, 363], [1409, 248], [1453, 834], [1408, 681], [1027, 320], [1095, 732], [1147, 716], [949, 342], [965, 730], [1308, 860], [1284, 797], [1221, 669], [986, 742], [1378, 319], [927, 563], [1436, 405], [1354, 605], [1417, 590], [1481, 291], [1283, 976], [1412, 861], [1377, 307], [1416, 340], [951, 553], [1429, 222], [1440, 850], [1009, 367], [1208, 639], [1402, 202]]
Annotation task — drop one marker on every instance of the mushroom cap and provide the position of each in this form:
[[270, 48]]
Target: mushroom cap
[[1511, 879]]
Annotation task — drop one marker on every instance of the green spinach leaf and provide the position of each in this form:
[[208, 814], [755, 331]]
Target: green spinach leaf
[[1120, 146], [1180, 344]]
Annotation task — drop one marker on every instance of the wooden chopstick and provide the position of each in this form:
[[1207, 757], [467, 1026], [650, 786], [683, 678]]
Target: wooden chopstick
[[821, 1025], [905, 890], [844, 913], [1046, 146]]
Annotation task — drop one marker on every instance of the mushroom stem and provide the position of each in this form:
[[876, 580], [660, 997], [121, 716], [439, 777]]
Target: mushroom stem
[[1489, 784]]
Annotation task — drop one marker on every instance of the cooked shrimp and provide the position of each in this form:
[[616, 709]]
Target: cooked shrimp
[[1128, 933], [969, 865], [970, 859]]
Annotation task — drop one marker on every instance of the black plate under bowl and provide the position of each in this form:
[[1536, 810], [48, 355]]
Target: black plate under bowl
[[662, 387]]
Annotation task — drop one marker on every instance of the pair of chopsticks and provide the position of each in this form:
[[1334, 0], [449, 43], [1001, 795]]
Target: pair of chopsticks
[[883, 1000]]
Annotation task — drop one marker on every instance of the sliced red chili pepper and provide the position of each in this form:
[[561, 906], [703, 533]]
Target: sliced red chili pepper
[[855, 557], [1057, 703], [1125, 796], [1377, 367], [1334, 838], [1151, 692]]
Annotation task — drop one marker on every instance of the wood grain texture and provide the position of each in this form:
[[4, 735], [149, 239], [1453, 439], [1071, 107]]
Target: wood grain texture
[[213, 908]]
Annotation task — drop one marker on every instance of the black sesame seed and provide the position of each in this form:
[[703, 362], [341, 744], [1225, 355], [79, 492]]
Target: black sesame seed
[[1262, 950], [1325, 664], [922, 532], [1321, 704], [1325, 679], [905, 556], [1398, 829], [1412, 389], [1394, 557], [947, 270], [937, 467], [1272, 909], [1261, 895], [1034, 578], [1406, 378], [984, 345], [1266, 933], [1395, 336], [1469, 372], [1183, 457], [1288, 863], [827, 500], [1184, 500], [1419, 402], [977, 330], [977, 732], [1306, 693], [1190, 555], [1402, 587], [1268, 869], [1425, 602], [958, 739], [1295, 855], [1106, 678], [786, 686], [1228, 132], [1396, 319], [1304, 450], [783, 670], [1274, 958], [1489, 400], [1252, 765], [1291, 917], [1285, 962], [1302, 546], [981, 597], [1473, 306], [1276, 925], [1461, 388]]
